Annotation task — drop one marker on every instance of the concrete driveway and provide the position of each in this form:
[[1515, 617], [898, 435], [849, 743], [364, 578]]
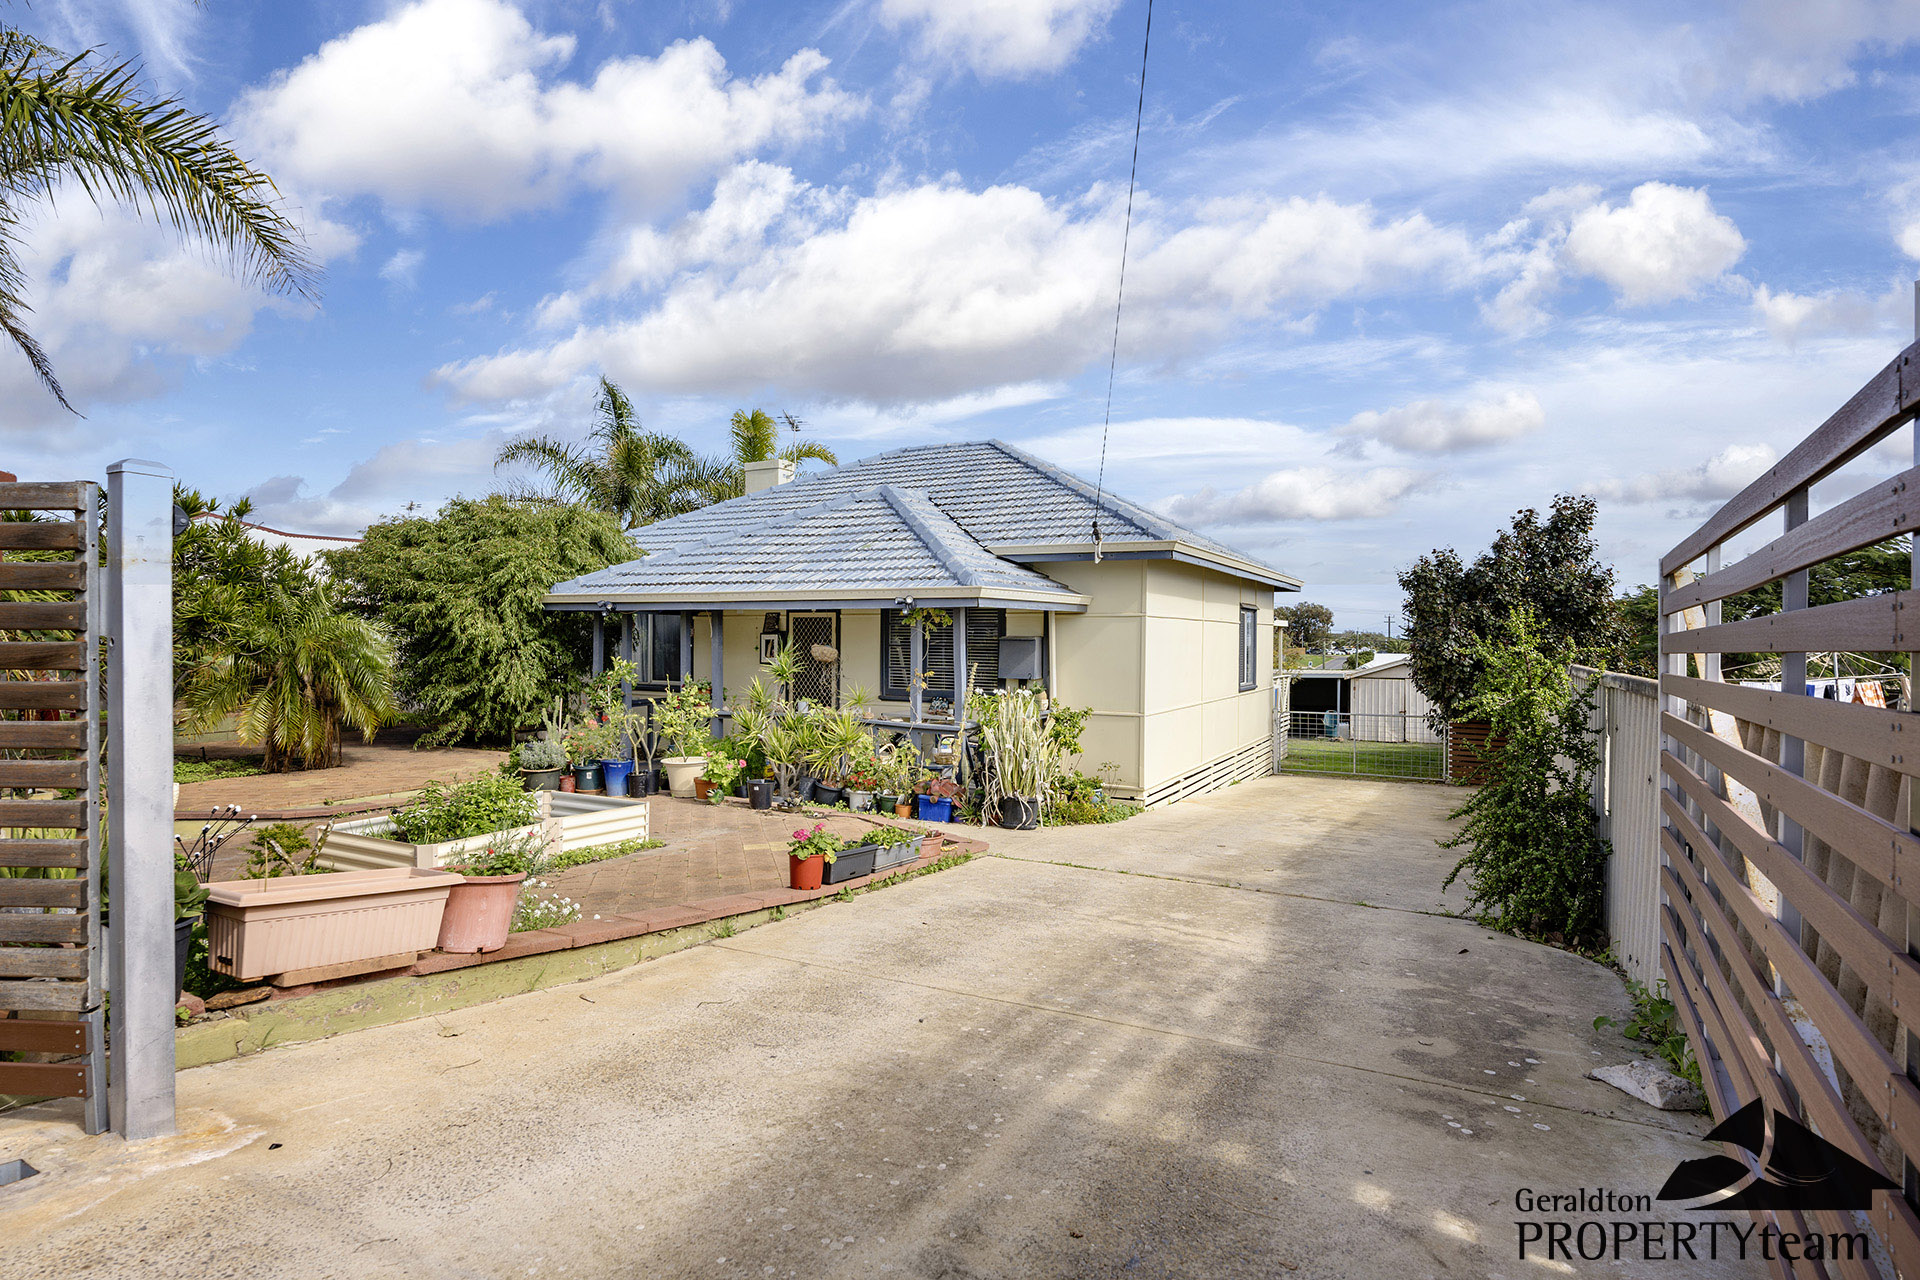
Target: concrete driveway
[[1229, 1040]]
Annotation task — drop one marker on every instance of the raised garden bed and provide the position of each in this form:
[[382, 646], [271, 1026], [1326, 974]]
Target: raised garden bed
[[582, 822]]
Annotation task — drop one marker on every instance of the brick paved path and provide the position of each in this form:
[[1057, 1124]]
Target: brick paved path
[[712, 851]]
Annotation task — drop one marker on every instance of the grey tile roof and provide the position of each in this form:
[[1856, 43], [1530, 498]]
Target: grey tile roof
[[882, 538], [1001, 495]]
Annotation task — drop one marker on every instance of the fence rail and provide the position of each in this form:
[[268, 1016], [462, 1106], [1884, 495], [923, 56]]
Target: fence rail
[[1788, 930]]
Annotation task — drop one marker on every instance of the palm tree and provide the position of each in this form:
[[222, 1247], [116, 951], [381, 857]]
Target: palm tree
[[635, 475], [74, 121], [755, 437], [294, 672]]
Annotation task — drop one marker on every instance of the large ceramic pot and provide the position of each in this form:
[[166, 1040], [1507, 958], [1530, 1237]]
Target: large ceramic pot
[[586, 777], [614, 773], [540, 779], [682, 772], [1019, 813], [760, 793], [479, 913], [805, 873]]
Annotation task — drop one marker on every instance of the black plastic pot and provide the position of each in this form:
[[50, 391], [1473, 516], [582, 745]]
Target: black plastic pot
[[1019, 813], [850, 863], [828, 795], [760, 793], [640, 782], [182, 944]]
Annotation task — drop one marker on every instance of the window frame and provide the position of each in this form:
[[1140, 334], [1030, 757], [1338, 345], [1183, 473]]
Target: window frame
[[1249, 641], [890, 622]]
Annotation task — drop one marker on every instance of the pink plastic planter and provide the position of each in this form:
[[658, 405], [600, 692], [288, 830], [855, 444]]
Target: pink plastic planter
[[479, 913], [260, 927]]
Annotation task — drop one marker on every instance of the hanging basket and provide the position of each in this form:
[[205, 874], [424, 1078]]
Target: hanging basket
[[824, 653]]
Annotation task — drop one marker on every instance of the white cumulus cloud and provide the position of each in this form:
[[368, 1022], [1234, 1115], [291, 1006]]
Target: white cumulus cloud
[[1432, 426], [1721, 476], [457, 105], [933, 290], [1001, 37], [1300, 493], [1664, 243]]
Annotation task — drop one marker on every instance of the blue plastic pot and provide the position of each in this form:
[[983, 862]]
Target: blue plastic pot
[[614, 773], [931, 810]]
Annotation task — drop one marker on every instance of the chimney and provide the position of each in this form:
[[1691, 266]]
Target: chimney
[[765, 475]]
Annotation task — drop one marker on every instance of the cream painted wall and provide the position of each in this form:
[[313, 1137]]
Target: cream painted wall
[[1155, 657]]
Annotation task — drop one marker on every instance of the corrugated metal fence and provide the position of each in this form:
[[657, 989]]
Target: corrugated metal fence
[[1626, 797]]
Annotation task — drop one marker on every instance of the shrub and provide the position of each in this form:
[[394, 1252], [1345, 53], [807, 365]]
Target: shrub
[[282, 849], [542, 753], [490, 803], [1537, 866]]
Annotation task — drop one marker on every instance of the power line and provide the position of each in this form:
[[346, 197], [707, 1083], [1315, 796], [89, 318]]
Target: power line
[[1120, 295]]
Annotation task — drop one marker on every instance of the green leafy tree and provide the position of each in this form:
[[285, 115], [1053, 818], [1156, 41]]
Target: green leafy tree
[[295, 671], [1309, 625], [222, 579], [460, 593], [1537, 867], [79, 122], [1549, 566], [636, 476], [755, 437]]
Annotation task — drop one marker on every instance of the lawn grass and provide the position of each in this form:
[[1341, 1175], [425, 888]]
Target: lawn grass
[[1418, 760], [598, 853], [207, 770]]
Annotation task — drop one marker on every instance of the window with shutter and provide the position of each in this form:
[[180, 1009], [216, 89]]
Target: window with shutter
[[984, 629]]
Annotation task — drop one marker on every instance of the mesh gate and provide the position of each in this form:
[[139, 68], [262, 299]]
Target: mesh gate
[[819, 680]]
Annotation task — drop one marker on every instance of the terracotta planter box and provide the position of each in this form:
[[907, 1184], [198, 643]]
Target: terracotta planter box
[[256, 928]]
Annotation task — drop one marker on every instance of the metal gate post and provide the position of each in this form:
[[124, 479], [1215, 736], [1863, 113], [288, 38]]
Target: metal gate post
[[140, 796]]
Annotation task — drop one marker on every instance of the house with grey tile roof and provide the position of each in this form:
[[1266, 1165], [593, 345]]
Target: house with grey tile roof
[[1165, 634]]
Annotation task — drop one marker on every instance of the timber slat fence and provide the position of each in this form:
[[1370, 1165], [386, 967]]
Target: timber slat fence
[[1788, 929]]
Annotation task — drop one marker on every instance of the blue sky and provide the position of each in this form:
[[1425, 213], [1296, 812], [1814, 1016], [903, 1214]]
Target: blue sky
[[1397, 270]]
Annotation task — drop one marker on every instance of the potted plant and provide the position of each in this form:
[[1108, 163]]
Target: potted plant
[[479, 911], [1022, 754], [685, 716], [589, 740], [808, 855], [934, 802], [716, 781], [541, 762], [837, 740], [189, 900], [862, 781], [897, 846], [899, 767]]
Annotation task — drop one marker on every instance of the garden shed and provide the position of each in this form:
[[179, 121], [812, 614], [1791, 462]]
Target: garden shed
[[1378, 697], [1161, 631]]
